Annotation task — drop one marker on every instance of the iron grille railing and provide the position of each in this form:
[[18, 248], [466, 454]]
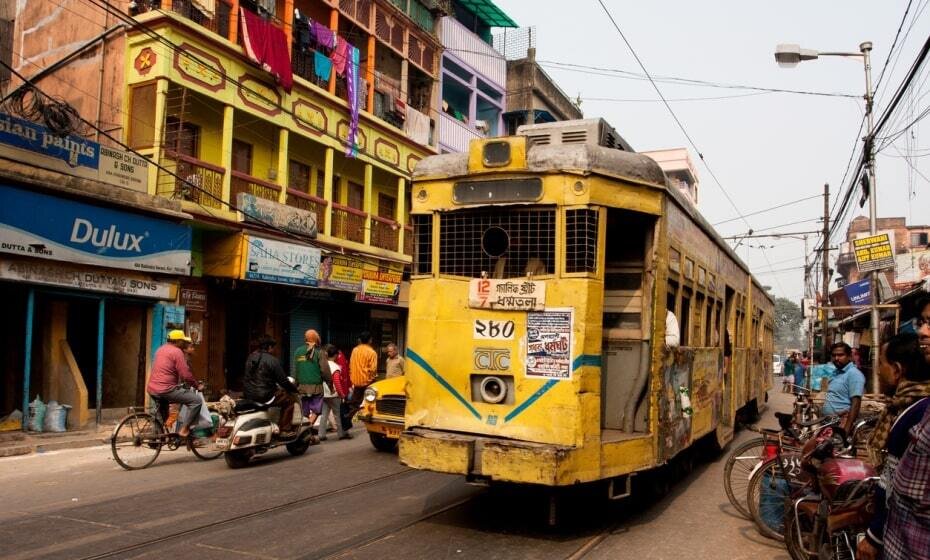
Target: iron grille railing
[[190, 179], [422, 249], [384, 233], [242, 183], [310, 203], [581, 240], [502, 242]]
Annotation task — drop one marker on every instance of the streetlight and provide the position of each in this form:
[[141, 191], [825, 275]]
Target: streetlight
[[788, 56]]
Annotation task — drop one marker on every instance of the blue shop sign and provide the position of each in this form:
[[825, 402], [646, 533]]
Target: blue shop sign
[[859, 293], [39, 225]]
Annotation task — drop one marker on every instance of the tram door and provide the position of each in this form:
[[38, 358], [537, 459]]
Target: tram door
[[627, 315]]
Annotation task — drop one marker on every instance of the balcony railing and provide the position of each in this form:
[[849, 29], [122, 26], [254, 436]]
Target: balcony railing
[[470, 49], [199, 181], [302, 64], [455, 134], [408, 240], [242, 183], [349, 223], [218, 22], [384, 233], [310, 203]]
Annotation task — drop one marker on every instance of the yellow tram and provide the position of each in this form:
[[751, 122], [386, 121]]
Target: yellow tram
[[545, 264]]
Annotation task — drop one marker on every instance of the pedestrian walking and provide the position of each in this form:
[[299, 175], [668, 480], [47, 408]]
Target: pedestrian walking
[[311, 370], [394, 366], [332, 400], [363, 369]]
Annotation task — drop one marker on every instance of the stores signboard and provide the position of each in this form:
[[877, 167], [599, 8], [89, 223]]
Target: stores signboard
[[268, 213], [874, 252], [268, 260], [39, 225], [85, 278], [370, 282], [32, 143]]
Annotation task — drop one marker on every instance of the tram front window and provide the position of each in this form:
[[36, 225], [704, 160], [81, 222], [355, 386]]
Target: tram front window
[[502, 242]]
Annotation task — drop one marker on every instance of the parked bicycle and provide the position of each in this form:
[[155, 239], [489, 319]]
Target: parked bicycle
[[140, 436]]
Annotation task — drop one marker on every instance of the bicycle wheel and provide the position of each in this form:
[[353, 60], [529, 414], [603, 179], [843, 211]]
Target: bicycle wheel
[[797, 537], [738, 470], [209, 452], [768, 489], [137, 441]]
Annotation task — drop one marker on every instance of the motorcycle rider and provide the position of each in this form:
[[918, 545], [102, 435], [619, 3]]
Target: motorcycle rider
[[902, 369], [265, 382], [172, 380]]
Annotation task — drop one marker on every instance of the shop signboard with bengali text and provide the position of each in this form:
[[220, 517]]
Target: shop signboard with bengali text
[[371, 282], [279, 262], [506, 295], [92, 279], [31, 143]]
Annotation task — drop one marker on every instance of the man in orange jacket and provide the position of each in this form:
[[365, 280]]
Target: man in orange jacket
[[363, 370]]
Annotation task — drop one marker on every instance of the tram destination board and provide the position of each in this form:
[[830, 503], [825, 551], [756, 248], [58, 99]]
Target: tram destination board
[[874, 252]]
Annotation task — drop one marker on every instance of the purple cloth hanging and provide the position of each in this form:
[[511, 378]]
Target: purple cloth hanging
[[322, 34], [352, 90]]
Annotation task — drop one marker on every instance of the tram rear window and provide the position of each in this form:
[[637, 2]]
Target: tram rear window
[[497, 190], [503, 242]]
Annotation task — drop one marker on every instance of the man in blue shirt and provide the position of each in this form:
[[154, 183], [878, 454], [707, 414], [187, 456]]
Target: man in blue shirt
[[844, 390]]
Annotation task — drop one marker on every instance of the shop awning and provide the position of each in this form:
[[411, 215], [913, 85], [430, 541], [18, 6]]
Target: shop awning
[[489, 12]]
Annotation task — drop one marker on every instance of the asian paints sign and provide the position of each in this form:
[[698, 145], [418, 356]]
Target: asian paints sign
[[39, 225]]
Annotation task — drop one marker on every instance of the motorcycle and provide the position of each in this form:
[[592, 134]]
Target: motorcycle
[[826, 520], [252, 429]]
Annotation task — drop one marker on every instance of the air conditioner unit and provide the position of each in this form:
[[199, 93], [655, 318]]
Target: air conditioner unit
[[582, 131]]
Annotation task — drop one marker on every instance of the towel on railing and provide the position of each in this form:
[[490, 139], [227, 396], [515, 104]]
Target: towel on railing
[[322, 66], [417, 126], [267, 45]]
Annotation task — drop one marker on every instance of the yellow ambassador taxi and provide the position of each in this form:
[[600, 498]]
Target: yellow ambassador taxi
[[382, 411]]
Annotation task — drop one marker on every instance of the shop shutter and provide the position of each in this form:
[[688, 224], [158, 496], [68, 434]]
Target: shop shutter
[[307, 316]]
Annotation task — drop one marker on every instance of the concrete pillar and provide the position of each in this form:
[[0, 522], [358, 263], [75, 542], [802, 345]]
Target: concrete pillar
[[56, 330], [234, 22], [370, 75], [328, 190], [401, 212], [367, 201], [283, 140], [161, 103], [289, 24], [334, 27], [226, 152]]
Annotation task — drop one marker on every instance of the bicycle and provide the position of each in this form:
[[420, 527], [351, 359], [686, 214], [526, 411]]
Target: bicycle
[[140, 436]]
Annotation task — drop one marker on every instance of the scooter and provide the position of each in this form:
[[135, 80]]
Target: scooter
[[828, 519], [253, 429]]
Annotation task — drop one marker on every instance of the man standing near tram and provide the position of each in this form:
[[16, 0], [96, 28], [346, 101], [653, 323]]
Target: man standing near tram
[[844, 390]]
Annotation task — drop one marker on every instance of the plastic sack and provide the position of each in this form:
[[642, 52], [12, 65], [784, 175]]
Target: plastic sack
[[37, 410], [14, 421], [56, 417], [202, 422]]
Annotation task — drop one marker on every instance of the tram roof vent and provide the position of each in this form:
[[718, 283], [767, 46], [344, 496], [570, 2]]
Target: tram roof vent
[[583, 131]]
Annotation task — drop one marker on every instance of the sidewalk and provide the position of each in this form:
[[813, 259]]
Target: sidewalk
[[24, 443]]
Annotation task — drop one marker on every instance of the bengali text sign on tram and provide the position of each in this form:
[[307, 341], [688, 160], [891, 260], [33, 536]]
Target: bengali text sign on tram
[[549, 344], [874, 252], [506, 295]]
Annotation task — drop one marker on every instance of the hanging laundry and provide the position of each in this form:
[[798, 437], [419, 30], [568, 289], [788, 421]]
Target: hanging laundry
[[267, 45], [352, 88], [206, 7], [301, 30], [417, 126], [323, 35], [341, 55], [322, 66]]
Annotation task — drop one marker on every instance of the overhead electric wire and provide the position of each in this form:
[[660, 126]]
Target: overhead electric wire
[[757, 212]]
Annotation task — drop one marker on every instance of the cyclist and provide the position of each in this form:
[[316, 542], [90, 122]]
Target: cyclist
[[173, 381]]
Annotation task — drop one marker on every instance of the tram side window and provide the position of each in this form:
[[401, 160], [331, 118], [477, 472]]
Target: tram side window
[[685, 319], [423, 243], [581, 240]]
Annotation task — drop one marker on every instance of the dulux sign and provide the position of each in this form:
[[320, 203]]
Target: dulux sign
[[39, 225]]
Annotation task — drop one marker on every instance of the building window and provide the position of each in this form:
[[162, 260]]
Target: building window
[[182, 137], [356, 196], [321, 183], [919, 239], [387, 206], [298, 176], [581, 240], [142, 109], [242, 157]]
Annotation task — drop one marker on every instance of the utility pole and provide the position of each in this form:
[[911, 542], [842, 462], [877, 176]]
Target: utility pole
[[865, 49], [808, 312], [825, 295]]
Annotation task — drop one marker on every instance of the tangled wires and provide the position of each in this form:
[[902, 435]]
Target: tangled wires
[[33, 105]]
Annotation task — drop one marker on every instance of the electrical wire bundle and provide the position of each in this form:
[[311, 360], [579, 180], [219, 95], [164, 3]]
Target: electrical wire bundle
[[33, 105]]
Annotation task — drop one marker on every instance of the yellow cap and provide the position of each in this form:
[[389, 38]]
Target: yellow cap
[[178, 334]]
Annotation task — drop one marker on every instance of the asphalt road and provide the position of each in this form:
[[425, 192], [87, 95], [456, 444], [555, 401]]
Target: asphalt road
[[345, 500]]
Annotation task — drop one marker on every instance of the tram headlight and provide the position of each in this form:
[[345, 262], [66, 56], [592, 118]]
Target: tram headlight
[[493, 389]]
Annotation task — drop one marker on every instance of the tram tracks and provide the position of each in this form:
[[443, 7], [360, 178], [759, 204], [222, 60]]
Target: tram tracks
[[122, 551]]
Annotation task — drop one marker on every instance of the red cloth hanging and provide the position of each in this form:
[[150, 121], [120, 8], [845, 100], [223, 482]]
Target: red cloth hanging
[[267, 45]]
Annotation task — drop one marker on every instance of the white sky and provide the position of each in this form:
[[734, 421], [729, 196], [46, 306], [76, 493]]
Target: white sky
[[765, 149]]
